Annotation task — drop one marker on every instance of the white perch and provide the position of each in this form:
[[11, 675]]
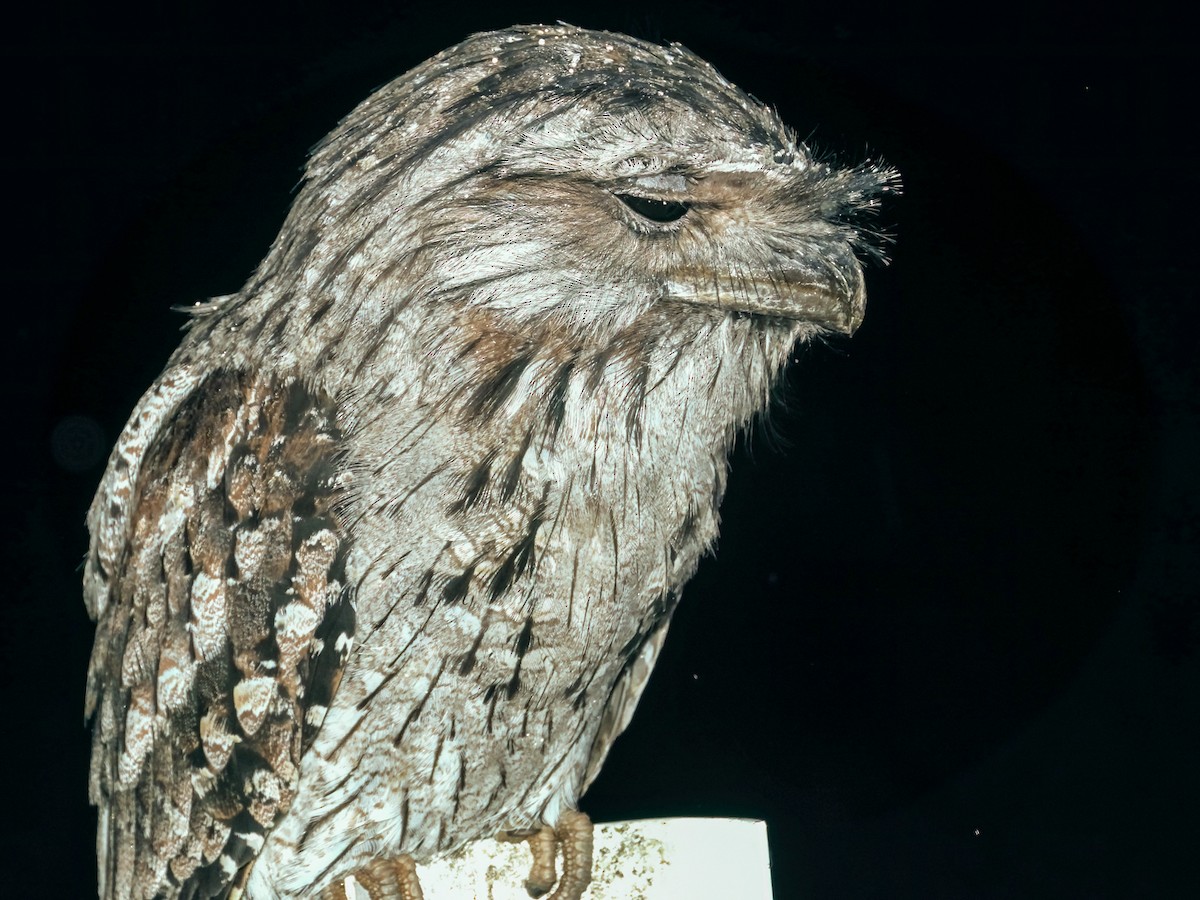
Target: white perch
[[651, 859]]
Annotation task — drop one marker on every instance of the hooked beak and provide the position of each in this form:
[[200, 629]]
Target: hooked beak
[[829, 291]]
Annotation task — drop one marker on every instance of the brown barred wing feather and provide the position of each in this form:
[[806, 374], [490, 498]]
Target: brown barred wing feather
[[222, 638]]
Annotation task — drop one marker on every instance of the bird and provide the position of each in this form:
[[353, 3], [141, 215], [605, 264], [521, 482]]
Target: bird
[[383, 559]]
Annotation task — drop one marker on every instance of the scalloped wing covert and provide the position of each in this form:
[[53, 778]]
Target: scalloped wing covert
[[223, 627]]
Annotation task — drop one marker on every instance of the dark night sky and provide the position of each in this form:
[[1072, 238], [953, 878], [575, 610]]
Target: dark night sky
[[949, 645]]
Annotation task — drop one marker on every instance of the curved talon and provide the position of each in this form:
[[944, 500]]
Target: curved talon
[[543, 873], [574, 833]]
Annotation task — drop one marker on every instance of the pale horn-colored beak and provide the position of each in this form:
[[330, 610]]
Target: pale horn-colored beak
[[830, 293]]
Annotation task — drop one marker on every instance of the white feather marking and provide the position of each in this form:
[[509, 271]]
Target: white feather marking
[[252, 839], [295, 624], [208, 623], [251, 699], [217, 741], [249, 551], [139, 734], [175, 677]]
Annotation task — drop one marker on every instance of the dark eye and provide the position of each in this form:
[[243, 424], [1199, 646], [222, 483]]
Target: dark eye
[[655, 210]]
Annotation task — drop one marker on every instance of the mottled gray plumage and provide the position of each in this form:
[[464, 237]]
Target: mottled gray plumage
[[383, 560]]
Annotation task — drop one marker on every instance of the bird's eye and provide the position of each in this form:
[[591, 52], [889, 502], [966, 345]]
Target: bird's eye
[[655, 210]]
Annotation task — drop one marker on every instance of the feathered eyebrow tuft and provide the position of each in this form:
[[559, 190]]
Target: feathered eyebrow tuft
[[671, 184]]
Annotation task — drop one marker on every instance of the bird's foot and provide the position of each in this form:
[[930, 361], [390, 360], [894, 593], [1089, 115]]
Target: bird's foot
[[574, 833], [396, 878], [380, 879]]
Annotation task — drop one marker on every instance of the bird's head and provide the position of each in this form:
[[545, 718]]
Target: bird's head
[[553, 180]]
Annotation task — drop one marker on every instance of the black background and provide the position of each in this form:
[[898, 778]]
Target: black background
[[949, 643]]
